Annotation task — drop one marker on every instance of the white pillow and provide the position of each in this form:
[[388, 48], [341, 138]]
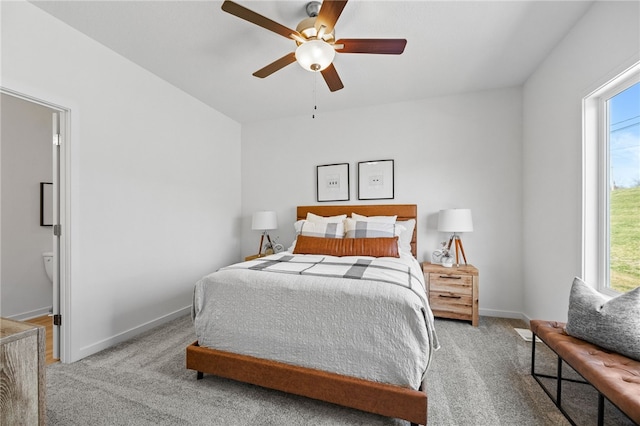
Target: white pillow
[[404, 242], [326, 219], [364, 229], [298, 226], [380, 219], [319, 229]]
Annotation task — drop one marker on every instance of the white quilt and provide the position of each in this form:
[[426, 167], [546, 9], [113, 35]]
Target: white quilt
[[374, 323]]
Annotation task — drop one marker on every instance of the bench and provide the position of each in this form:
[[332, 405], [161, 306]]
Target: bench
[[614, 376]]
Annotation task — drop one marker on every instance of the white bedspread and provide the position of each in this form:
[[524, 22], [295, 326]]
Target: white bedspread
[[370, 328]]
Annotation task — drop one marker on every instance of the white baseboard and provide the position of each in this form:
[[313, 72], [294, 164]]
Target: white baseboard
[[502, 314], [126, 335], [31, 314], [526, 318]]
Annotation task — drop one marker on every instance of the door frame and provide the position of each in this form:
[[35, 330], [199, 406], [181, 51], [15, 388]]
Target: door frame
[[63, 258]]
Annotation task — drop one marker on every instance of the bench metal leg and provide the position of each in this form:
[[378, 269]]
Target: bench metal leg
[[533, 355], [557, 400], [600, 409], [559, 383]]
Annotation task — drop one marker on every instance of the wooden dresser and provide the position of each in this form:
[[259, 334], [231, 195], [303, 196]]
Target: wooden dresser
[[453, 292], [22, 373]]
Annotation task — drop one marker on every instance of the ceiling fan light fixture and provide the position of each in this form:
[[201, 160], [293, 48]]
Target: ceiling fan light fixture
[[315, 55]]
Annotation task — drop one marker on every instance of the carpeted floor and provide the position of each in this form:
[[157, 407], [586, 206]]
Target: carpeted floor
[[479, 377]]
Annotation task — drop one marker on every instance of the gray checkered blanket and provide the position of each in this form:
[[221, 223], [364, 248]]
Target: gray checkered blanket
[[372, 269]]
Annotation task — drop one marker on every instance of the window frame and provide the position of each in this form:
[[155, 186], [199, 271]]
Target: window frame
[[596, 179]]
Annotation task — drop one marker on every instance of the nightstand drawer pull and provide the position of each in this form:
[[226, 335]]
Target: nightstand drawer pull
[[450, 296], [449, 277]]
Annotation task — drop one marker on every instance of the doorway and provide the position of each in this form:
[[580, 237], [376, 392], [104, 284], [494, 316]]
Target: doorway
[[33, 159]]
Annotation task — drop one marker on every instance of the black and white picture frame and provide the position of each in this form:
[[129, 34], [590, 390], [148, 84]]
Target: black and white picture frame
[[375, 180], [46, 204], [332, 182]]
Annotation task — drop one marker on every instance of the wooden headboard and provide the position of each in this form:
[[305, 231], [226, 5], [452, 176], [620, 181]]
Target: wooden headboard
[[403, 211]]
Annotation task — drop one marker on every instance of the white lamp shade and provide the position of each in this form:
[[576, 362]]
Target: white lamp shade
[[455, 220], [264, 220], [315, 55]]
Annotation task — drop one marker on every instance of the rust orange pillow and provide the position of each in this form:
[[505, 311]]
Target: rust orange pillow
[[375, 247]]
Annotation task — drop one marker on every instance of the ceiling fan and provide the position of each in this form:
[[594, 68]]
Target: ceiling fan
[[315, 39]]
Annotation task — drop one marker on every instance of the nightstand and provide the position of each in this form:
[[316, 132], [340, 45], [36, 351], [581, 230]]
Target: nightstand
[[453, 292], [255, 256]]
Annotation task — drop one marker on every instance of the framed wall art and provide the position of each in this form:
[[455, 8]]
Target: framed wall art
[[332, 182], [375, 180]]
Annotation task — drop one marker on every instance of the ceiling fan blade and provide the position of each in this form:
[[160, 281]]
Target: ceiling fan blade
[[332, 78], [274, 66], [389, 46], [329, 13], [255, 18]]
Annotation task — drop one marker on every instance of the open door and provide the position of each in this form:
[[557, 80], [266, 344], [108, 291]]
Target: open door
[[57, 317], [61, 307]]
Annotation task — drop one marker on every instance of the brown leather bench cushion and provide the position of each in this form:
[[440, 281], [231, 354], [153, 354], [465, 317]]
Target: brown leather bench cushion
[[615, 376]]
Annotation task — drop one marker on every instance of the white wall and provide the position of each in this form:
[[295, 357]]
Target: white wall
[[603, 43], [456, 151], [26, 153], [155, 181]]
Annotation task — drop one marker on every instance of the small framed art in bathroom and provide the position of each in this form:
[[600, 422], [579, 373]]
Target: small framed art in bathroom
[[46, 204]]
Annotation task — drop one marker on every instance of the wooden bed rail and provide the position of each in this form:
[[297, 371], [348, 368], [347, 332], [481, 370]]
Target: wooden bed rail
[[372, 397]]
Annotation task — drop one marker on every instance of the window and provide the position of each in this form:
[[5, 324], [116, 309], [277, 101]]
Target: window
[[611, 245]]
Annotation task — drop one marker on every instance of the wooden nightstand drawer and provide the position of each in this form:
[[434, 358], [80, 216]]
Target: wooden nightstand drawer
[[450, 303], [450, 283]]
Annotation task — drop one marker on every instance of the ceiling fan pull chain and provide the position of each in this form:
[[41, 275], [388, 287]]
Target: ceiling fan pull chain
[[315, 100]]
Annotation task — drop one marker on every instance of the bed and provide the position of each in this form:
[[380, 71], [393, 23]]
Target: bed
[[305, 357]]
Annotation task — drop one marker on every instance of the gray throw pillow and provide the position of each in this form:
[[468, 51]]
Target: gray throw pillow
[[612, 324]]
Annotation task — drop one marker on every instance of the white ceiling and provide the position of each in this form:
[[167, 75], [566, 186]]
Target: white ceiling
[[452, 47]]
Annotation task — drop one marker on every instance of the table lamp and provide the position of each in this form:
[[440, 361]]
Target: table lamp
[[264, 221], [455, 221]]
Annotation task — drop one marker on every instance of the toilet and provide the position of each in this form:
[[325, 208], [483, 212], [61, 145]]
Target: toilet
[[47, 257]]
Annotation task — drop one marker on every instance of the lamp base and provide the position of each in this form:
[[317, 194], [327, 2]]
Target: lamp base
[[459, 248], [262, 240]]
